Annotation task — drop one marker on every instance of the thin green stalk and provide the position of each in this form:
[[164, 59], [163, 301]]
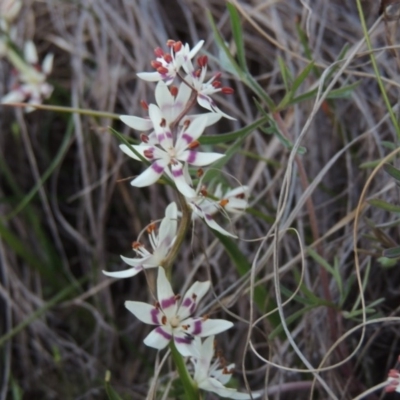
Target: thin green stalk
[[376, 70], [191, 389], [100, 114]]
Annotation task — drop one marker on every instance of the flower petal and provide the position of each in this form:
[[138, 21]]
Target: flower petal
[[150, 175], [192, 298], [128, 273], [185, 345], [47, 64], [169, 225], [212, 327], [212, 385], [166, 296], [145, 312], [199, 159], [158, 338], [15, 96], [140, 124], [180, 181], [149, 76], [139, 148], [208, 219], [30, 53], [208, 103]]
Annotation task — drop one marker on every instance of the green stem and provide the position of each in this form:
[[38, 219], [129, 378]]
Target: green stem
[[180, 236], [70, 110], [191, 389]]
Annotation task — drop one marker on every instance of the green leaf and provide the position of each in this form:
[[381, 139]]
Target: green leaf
[[382, 204], [392, 171], [301, 77], [286, 74], [228, 137], [387, 262], [394, 252], [237, 35], [111, 393]]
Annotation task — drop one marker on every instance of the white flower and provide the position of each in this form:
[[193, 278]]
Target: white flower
[[167, 65], [170, 107], [160, 243], [205, 89], [210, 376], [393, 381], [169, 156], [171, 315], [31, 86], [204, 207]]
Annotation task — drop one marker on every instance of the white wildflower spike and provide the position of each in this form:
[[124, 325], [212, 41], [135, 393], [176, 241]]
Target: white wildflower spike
[[167, 65], [9, 9], [213, 377], [31, 85], [160, 243], [169, 157], [171, 315]]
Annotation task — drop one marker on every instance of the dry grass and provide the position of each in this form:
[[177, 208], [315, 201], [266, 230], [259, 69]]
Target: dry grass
[[85, 214]]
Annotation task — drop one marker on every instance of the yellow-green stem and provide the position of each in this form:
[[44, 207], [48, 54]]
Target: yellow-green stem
[[189, 385]]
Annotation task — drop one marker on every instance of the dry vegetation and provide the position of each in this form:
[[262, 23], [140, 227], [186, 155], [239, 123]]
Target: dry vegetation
[[68, 210]]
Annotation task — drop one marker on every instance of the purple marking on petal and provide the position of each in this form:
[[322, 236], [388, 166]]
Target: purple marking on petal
[[187, 138], [187, 340], [177, 173], [168, 302], [198, 325], [154, 314], [169, 135], [158, 168], [208, 216], [164, 334], [192, 157], [187, 303], [161, 137]]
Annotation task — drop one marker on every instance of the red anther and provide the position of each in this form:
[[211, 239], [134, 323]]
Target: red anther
[[144, 138], [202, 61], [217, 75], [203, 191], [194, 144], [205, 317], [167, 57], [162, 70], [177, 46], [136, 245], [185, 327], [390, 388], [156, 64], [157, 304], [177, 297], [173, 90], [163, 123], [217, 84], [170, 42], [164, 320], [148, 153], [158, 51], [151, 228], [194, 296], [240, 196], [393, 373], [200, 172], [227, 90], [197, 73], [144, 105], [223, 202], [186, 124]]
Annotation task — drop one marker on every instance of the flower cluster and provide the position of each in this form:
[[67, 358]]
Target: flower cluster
[[169, 146], [29, 81]]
